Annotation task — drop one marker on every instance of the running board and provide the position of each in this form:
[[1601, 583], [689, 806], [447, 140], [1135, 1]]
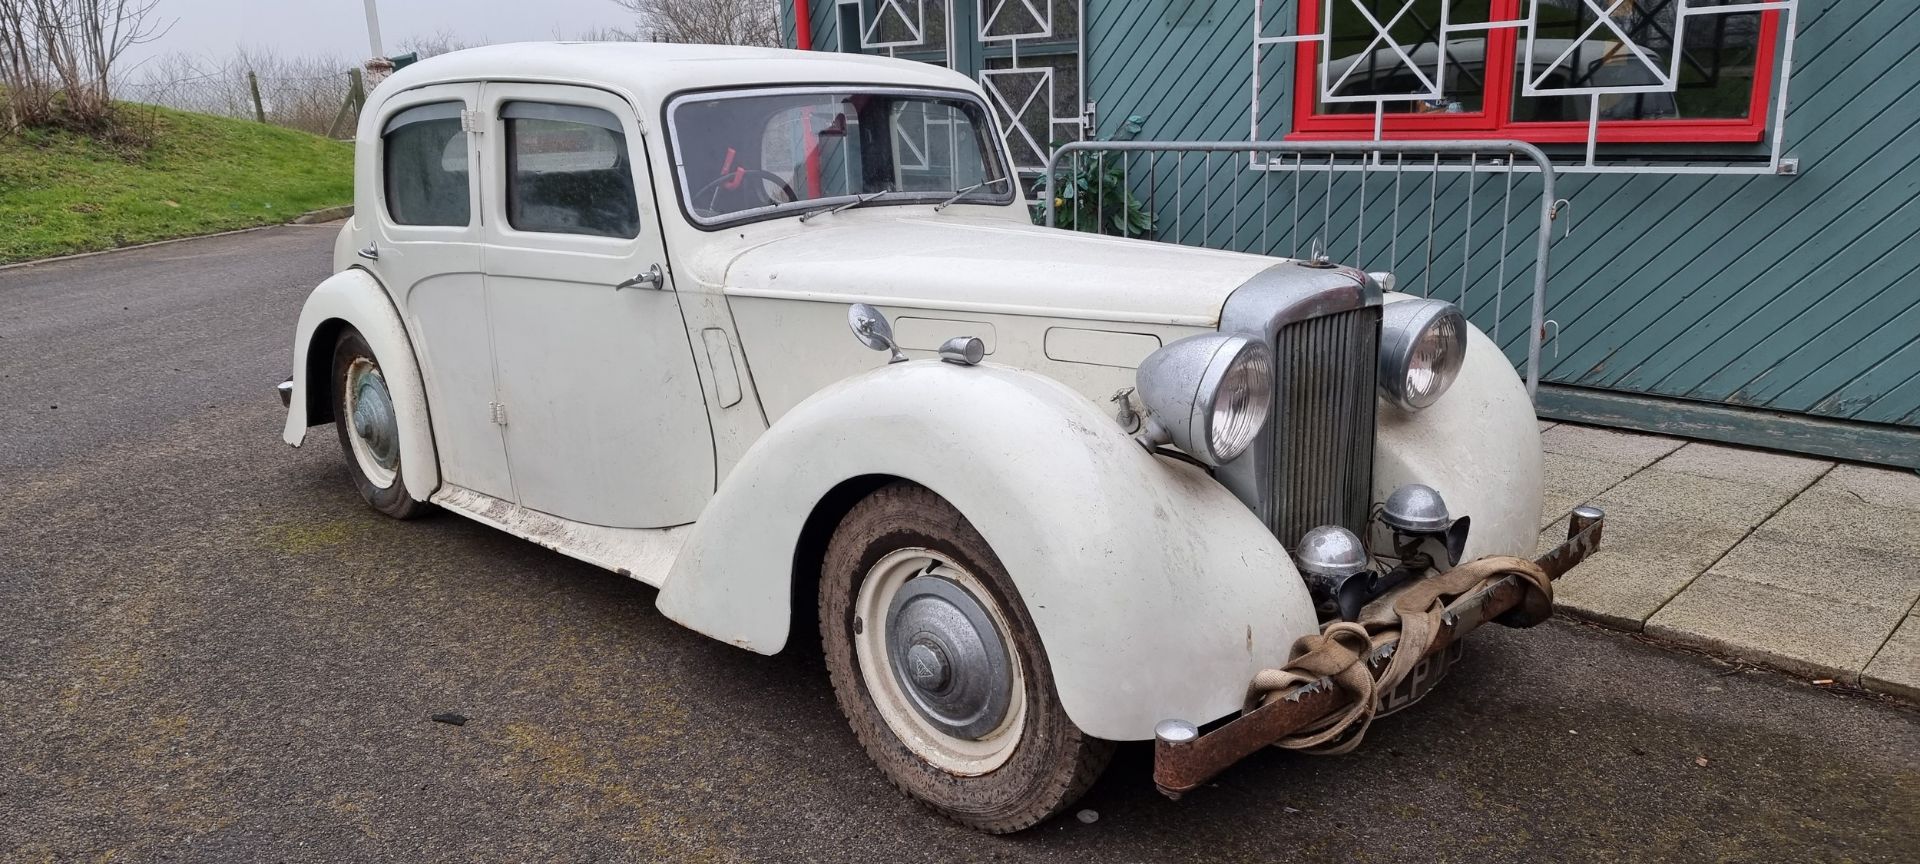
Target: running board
[[645, 554]]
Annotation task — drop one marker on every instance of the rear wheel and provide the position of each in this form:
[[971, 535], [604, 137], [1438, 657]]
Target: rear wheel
[[369, 429], [939, 670]]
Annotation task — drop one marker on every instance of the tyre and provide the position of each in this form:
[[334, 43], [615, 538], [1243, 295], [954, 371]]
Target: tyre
[[939, 670], [364, 417]]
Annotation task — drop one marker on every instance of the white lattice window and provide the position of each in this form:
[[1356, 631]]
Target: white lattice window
[[1032, 74], [894, 24], [1547, 71]]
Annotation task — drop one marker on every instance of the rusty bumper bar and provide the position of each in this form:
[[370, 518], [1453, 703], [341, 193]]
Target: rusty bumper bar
[[1183, 759]]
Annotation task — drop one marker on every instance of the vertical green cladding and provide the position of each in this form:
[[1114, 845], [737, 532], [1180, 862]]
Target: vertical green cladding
[[825, 18], [1795, 294]]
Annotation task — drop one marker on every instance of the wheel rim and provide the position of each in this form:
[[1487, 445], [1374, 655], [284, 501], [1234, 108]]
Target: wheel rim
[[372, 429], [932, 647]]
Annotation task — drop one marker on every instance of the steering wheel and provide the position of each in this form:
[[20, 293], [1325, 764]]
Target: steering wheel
[[741, 175]]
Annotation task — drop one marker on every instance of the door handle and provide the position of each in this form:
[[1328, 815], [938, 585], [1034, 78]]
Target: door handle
[[371, 253], [654, 278]]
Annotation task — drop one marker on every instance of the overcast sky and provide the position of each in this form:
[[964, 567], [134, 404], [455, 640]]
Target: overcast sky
[[338, 27]]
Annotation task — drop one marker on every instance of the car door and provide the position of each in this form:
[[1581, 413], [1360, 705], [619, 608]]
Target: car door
[[602, 407], [427, 251]]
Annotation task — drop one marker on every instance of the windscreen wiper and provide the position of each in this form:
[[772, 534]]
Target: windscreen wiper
[[846, 206], [962, 193]]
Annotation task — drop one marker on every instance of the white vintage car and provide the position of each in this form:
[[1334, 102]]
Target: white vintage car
[[1087, 490]]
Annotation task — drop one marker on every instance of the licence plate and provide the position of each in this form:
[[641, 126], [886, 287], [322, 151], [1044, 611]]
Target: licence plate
[[1421, 680]]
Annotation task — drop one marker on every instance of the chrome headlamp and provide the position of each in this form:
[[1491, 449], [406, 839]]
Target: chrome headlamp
[[1422, 346], [1208, 395]]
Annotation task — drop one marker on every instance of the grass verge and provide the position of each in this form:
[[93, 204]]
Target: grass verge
[[62, 193]]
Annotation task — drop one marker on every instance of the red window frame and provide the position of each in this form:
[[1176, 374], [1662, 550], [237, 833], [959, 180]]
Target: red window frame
[[1493, 120]]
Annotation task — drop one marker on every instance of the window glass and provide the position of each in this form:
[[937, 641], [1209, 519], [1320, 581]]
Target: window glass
[[568, 171], [1367, 62], [1717, 55], [794, 127], [774, 152], [934, 148], [426, 164]]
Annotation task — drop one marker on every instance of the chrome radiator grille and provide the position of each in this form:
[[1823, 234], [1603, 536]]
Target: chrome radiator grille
[[1323, 424]]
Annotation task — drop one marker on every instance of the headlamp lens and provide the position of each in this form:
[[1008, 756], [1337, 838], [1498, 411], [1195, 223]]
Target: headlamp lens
[[1241, 403]]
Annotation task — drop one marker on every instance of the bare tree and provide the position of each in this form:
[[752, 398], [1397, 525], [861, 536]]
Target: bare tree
[[713, 22], [57, 57], [439, 42], [599, 34]]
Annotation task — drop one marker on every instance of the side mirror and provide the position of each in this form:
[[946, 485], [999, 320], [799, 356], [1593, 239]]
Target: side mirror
[[873, 331]]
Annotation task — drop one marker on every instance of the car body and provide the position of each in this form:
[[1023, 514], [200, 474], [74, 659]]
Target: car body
[[567, 306]]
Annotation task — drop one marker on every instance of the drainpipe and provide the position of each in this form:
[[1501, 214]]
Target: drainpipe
[[803, 39]]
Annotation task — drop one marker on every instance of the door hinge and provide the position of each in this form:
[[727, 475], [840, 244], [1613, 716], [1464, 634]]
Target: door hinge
[[470, 121], [498, 411]]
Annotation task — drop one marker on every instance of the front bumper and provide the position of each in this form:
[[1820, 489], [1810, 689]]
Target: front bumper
[[1182, 759]]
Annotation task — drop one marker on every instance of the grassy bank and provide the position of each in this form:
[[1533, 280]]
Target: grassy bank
[[62, 193]]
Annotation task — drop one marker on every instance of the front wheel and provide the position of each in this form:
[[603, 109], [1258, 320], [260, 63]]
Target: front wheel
[[937, 667], [369, 429]]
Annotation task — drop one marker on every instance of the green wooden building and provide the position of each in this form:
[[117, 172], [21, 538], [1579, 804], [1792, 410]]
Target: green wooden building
[[1738, 254]]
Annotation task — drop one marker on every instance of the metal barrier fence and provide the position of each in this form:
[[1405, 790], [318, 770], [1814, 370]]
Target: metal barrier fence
[[1435, 228]]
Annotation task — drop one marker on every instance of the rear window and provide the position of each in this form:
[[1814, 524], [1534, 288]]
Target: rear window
[[427, 166]]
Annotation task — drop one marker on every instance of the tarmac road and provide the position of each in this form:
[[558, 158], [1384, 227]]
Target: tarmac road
[[211, 651]]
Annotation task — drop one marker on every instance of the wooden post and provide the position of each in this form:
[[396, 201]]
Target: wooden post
[[356, 97], [253, 86]]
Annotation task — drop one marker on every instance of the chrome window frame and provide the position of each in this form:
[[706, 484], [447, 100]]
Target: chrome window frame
[[682, 184]]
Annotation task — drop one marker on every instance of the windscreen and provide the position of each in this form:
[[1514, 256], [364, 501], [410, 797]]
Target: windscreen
[[757, 154]]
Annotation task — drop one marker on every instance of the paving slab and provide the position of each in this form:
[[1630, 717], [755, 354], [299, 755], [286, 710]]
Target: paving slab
[[1574, 480], [1822, 637], [1620, 588], [1828, 514], [1694, 498], [1627, 448], [1869, 577], [1645, 558], [1880, 487], [1797, 563], [1778, 471], [1896, 669]]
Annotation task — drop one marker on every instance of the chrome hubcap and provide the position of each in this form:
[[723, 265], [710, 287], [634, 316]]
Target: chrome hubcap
[[948, 657], [932, 649], [376, 431]]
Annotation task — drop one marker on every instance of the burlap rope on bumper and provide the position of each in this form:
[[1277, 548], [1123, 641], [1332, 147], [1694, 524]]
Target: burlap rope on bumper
[[1412, 615]]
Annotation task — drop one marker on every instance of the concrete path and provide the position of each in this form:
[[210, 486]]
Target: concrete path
[[1800, 564]]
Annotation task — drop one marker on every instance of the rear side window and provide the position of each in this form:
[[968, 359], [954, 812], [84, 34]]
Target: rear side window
[[427, 161], [568, 171]]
